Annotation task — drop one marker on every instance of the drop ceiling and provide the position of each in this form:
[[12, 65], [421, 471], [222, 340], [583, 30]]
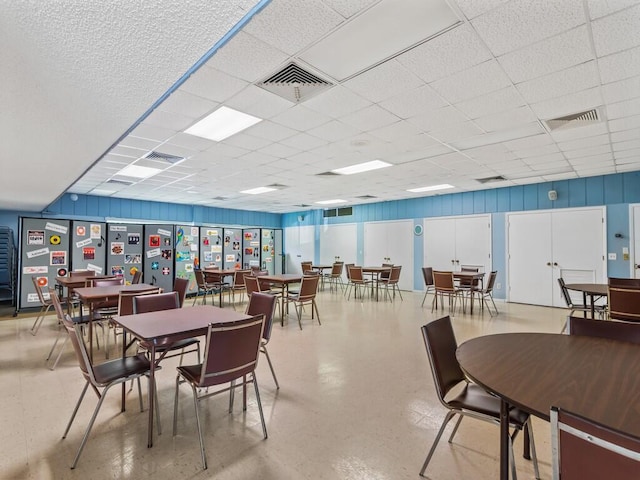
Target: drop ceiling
[[447, 92]]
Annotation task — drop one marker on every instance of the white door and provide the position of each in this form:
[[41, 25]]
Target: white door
[[391, 242], [473, 242], [299, 246], [635, 218], [529, 258], [439, 243], [338, 243]]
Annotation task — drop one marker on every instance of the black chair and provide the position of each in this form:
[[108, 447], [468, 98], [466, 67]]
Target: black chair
[[486, 294], [577, 307], [181, 286], [471, 400], [264, 304], [613, 330], [624, 299], [583, 449], [427, 274], [101, 377], [231, 355]]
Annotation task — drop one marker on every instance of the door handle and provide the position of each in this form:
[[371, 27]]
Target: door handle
[[555, 264], [548, 264]]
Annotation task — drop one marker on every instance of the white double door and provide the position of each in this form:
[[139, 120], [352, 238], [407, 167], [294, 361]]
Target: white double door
[[299, 244], [453, 242], [544, 246], [390, 242]]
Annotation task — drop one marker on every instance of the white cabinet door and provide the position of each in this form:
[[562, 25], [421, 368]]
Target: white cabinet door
[[338, 241], [635, 218], [391, 242], [439, 243], [299, 246]]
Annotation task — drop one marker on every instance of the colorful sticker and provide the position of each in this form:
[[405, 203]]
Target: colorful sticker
[[136, 258], [62, 272], [194, 231], [117, 270], [96, 230], [133, 238], [81, 231], [117, 248], [167, 242], [35, 237], [154, 240], [188, 267], [236, 246], [182, 256], [42, 281], [166, 254], [58, 258], [89, 253], [218, 258], [166, 271], [208, 256], [155, 265], [230, 258], [55, 239]]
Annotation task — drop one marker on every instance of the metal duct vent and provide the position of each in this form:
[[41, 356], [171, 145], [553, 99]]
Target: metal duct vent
[[120, 182], [574, 120], [164, 157], [497, 178], [294, 83]]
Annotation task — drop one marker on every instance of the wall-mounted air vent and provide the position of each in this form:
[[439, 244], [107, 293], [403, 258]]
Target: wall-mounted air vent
[[294, 83], [164, 157], [497, 178], [574, 120]]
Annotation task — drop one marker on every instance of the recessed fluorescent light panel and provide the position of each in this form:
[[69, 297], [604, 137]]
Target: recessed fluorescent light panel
[[432, 188], [221, 124], [361, 167], [331, 202], [256, 191], [138, 171]]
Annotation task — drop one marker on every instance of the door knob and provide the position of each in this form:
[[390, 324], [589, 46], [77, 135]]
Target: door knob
[[555, 264], [548, 264]]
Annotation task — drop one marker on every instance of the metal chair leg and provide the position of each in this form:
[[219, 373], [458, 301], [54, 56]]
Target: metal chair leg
[[264, 350], [449, 416]]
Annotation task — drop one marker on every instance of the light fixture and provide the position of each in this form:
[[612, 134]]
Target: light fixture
[[331, 202], [221, 124], [138, 171], [258, 190], [361, 167], [431, 188]]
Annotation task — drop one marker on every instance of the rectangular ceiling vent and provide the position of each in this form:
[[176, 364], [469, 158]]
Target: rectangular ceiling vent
[[574, 120], [295, 83], [497, 178], [326, 174], [220, 198], [278, 186], [114, 181], [164, 157], [366, 197]]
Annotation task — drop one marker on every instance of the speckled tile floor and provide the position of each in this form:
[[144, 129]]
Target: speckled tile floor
[[356, 402]]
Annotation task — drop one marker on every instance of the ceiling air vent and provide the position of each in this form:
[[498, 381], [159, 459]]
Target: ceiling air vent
[[497, 178], [574, 120], [220, 198], [120, 182], [366, 197], [326, 174], [164, 157], [294, 83]]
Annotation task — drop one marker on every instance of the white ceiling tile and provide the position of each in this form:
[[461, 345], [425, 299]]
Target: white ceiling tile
[[186, 104], [560, 83], [271, 131], [414, 102], [248, 58], [129, 152], [279, 150], [619, 66], [557, 166], [137, 142], [420, 154], [498, 101], [621, 136], [249, 142], [395, 131], [347, 8], [414, 143], [617, 32], [456, 132], [537, 151], [336, 102], [259, 102], [438, 119], [300, 118], [528, 142], [334, 130], [557, 53], [622, 90], [160, 134], [303, 141], [624, 123], [473, 8], [623, 109], [475, 81], [383, 81], [225, 150], [213, 84], [599, 8], [191, 142], [568, 104], [599, 159], [627, 155], [624, 146], [370, 118], [174, 121], [583, 143], [563, 135], [585, 152], [451, 52], [522, 22], [545, 159], [560, 176], [291, 25], [506, 119]]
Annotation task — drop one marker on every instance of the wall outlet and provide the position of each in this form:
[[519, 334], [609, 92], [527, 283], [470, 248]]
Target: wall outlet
[[498, 286], [613, 256]]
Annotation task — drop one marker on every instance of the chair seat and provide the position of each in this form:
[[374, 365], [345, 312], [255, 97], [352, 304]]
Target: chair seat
[[121, 367], [479, 400]]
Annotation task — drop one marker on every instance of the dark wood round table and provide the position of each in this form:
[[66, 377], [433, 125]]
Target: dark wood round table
[[594, 377]]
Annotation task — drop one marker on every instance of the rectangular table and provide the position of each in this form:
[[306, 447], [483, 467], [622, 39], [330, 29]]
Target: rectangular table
[[73, 283], [90, 295], [282, 281], [215, 275], [594, 291], [470, 276], [177, 324]]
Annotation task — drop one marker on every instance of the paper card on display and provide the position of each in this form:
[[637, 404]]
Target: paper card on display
[[95, 230], [118, 228], [38, 253], [155, 252], [35, 237], [216, 248], [194, 231], [166, 233], [194, 247], [54, 227], [94, 268], [33, 297], [230, 258], [83, 243], [34, 270], [58, 258]]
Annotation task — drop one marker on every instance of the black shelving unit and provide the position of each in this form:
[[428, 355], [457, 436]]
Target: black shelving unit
[[7, 266]]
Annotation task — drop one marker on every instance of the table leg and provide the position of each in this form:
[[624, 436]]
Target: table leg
[[584, 302], [151, 389], [124, 354], [592, 299], [504, 440]]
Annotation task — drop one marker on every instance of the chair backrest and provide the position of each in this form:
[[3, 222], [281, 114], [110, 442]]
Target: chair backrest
[[309, 286], [613, 330], [136, 277], [565, 293], [199, 274], [82, 273], [491, 282], [427, 274], [180, 286], [348, 272], [41, 294], [252, 284], [238, 277], [355, 273], [336, 269], [466, 268], [155, 303], [55, 301], [108, 282], [441, 345], [624, 282], [443, 281], [395, 274], [386, 273], [75, 335], [265, 304], [231, 351], [587, 450], [306, 266], [255, 269], [125, 300], [624, 303]]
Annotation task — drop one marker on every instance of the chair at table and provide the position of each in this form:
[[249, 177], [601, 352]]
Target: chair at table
[[613, 330], [335, 277], [137, 276], [253, 285], [231, 355], [471, 400], [264, 304], [469, 285], [427, 274], [238, 284], [357, 282], [206, 288], [181, 285], [624, 300], [583, 449], [444, 286], [155, 303], [577, 307], [306, 296], [125, 307], [108, 308], [392, 281], [485, 294], [306, 267], [102, 376], [45, 304]]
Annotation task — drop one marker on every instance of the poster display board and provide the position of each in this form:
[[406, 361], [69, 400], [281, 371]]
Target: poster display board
[[211, 247], [267, 250], [88, 246], [232, 248], [159, 256], [124, 250], [251, 248], [187, 242], [44, 253]]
